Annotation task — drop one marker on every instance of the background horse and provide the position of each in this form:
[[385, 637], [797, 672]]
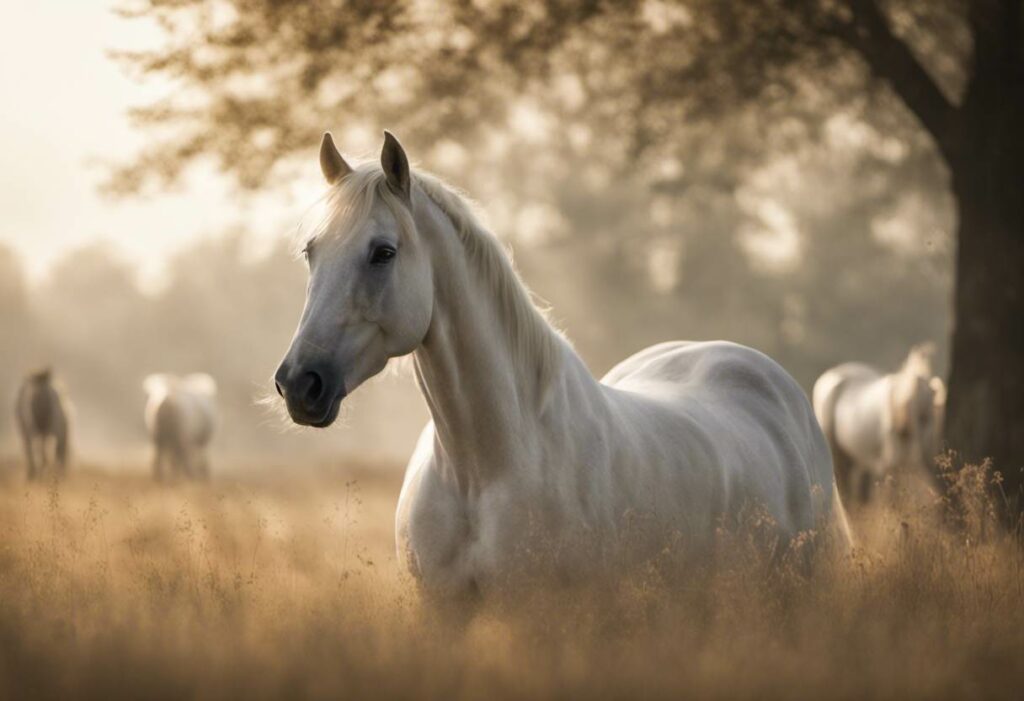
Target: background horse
[[879, 424], [42, 413], [529, 464], [180, 416]]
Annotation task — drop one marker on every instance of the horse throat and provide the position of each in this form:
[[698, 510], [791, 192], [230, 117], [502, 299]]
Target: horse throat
[[485, 387]]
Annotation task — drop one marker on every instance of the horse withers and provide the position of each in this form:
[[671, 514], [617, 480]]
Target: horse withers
[[880, 424], [181, 417], [43, 415]]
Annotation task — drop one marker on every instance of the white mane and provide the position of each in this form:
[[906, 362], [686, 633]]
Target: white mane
[[534, 341]]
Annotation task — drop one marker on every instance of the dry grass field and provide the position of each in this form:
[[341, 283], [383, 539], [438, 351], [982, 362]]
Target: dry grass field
[[280, 585]]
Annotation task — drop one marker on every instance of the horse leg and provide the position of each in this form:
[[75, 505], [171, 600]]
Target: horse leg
[[159, 459], [202, 466], [42, 454], [184, 462], [449, 614], [61, 453], [844, 471], [182, 466], [30, 457], [866, 487]]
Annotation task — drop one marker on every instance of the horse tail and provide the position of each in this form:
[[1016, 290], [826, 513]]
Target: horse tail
[[842, 534], [62, 446]]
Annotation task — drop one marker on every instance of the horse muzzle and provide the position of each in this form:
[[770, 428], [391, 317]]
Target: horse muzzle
[[313, 393]]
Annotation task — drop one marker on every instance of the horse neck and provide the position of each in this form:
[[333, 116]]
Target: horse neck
[[486, 397]]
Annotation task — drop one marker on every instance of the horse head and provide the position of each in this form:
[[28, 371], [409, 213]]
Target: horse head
[[370, 293]]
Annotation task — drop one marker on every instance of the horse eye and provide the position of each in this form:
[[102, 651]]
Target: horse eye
[[382, 255]]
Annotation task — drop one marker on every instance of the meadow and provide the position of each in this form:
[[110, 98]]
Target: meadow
[[283, 583]]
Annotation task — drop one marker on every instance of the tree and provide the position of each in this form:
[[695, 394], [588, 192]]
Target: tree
[[709, 84]]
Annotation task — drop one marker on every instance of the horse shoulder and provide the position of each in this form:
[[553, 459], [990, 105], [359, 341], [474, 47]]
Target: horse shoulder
[[431, 527]]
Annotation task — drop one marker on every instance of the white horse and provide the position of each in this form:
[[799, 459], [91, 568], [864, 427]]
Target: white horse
[[529, 464], [181, 415], [43, 415], [879, 424]]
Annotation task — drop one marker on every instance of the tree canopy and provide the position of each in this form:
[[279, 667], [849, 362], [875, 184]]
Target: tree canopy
[[705, 81]]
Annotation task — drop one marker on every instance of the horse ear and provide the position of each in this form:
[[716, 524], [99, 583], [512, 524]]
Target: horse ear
[[396, 165], [332, 164]]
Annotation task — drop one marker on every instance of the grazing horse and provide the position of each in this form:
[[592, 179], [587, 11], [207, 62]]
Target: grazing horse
[[180, 416], [879, 424], [530, 466], [43, 416]]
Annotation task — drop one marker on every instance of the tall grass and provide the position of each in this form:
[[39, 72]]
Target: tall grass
[[115, 587]]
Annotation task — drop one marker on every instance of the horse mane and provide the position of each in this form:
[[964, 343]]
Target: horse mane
[[535, 343]]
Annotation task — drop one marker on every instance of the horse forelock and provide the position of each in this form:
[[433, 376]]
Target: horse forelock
[[348, 204]]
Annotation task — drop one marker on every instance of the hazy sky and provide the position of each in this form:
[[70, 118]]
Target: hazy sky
[[63, 111]]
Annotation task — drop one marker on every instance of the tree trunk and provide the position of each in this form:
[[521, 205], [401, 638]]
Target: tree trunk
[[985, 409]]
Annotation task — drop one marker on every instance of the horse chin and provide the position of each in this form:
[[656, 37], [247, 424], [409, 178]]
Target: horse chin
[[324, 421], [331, 416]]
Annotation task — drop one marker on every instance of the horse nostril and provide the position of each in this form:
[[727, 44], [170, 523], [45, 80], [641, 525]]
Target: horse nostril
[[277, 386], [314, 387]]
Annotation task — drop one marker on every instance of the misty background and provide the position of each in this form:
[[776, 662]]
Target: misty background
[[816, 258], [810, 218]]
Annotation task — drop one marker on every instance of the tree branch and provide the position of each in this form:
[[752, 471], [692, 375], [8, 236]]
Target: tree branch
[[890, 59]]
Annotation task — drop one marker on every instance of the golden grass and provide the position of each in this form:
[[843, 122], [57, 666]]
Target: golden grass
[[111, 586]]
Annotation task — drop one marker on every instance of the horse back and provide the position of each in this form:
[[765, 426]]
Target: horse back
[[710, 372], [756, 427]]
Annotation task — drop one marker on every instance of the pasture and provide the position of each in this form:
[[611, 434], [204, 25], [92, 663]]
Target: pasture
[[618, 245], [283, 582]]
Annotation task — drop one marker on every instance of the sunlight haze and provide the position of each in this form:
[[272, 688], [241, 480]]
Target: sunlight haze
[[64, 117]]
